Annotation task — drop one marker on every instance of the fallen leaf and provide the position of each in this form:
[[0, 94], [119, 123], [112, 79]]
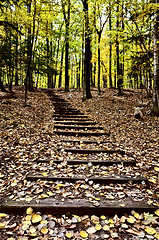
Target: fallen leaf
[[91, 230], [44, 230], [69, 234], [83, 234], [36, 218], [29, 210], [150, 230]]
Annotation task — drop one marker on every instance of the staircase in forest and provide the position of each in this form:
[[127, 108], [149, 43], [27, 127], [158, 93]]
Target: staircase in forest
[[106, 177]]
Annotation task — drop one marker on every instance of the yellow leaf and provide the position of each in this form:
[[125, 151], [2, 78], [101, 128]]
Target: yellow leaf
[[43, 196], [156, 169], [97, 199], [2, 225], [60, 185], [36, 218], [69, 234], [32, 230], [106, 228], [122, 205], [28, 199], [98, 227], [29, 210], [25, 227], [3, 215], [44, 174], [152, 180], [103, 217], [131, 219], [43, 222], [1, 175], [28, 218], [136, 215], [83, 234], [156, 235], [50, 193], [157, 212], [150, 230], [44, 230], [111, 221]]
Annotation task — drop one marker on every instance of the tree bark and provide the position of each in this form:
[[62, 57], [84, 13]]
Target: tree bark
[[155, 98], [87, 61], [110, 50]]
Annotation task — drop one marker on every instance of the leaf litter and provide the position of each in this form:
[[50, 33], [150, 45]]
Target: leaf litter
[[27, 135]]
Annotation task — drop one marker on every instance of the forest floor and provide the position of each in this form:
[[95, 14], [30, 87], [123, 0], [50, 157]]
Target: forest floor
[[25, 136]]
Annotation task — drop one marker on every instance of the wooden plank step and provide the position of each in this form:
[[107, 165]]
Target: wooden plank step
[[90, 151], [66, 110], [69, 116], [77, 127], [76, 133], [75, 123], [77, 206], [104, 180], [93, 162], [71, 119], [86, 141]]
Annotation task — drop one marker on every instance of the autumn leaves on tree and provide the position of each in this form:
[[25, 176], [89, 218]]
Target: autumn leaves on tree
[[74, 44]]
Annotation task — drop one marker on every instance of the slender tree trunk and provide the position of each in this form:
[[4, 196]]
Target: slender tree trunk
[[49, 85], [87, 63], [99, 37], [119, 65], [155, 98], [110, 50], [60, 75], [16, 60]]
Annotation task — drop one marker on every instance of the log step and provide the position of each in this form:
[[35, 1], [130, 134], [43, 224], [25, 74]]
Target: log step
[[77, 206], [71, 119], [76, 133], [69, 116], [105, 180], [93, 162], [75, 123], [73, 113], [90, 151], [86, 141], [77, 127]]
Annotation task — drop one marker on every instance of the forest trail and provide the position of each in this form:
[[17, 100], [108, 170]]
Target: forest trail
[[88, 174]]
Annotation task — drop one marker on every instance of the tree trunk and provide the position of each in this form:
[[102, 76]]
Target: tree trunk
[[60, 75], [16, 60], [99, 37], [155, 98], [110, 50], [119, 65], [48, 65], [87, 62]]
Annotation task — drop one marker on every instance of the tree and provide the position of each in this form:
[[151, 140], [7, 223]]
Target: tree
[[155, 107], [87, 60], [66, 14]]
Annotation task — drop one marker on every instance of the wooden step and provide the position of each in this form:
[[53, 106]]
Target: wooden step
[[90, 151], [68, 113], [101, 180], [69, 116], [77, 127], [75, 123], [77, 206], [71, 119], [76, 133], [85, 141], [93, 162]]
